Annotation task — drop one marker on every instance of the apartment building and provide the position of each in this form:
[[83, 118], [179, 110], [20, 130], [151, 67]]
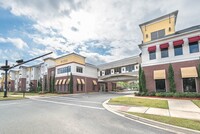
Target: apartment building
[[162, 45], [54, 73], [84, 74], [25, 78], [2, 82], [124, 70], [14, 79]]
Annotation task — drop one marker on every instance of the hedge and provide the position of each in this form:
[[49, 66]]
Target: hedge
[[170, 94]]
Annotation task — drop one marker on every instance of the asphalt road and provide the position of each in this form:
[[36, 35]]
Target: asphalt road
[[73, 114]]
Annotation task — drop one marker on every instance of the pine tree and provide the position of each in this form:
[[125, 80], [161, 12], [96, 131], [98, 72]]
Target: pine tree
[[39, 87], [50, 85], [143, 82], [140, 80], [172, 86], [71, 84], [53, 84], [199, 70]]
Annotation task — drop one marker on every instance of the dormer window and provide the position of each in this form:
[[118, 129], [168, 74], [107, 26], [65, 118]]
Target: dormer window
[[157, 34]]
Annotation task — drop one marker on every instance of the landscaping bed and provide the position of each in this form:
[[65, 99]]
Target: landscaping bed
[[185, 95], [139, 102]]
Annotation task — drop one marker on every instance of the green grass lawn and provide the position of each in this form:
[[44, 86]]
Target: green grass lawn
[[9, 97], [192, 124], [197, 102], [139, 102], [17, 95]]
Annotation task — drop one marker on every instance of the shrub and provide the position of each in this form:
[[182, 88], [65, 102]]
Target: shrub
[[169, 94], [153, 93], [160, 94], [193, 95], [178, 94], [137, 94], [141, 94]]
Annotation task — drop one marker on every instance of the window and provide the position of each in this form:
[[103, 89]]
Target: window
[[178, 50], [170, 29], [130, 68], [160, 85], [81, 86], [65, 87], [146, 35], [157, 34], [152, 55], [107, 72], [117, 70], [164, 53], [63, 70], [189, 85], [79, 69], [77, 87], [100, 73], [194, 47]]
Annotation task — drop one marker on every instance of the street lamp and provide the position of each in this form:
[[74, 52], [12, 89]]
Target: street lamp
[[6, 68]]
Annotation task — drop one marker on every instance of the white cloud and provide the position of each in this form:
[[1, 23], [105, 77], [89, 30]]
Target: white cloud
[[17, 42], [66, 25]]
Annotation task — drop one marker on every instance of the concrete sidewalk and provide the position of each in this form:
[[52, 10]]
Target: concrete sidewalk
[[177, 108]]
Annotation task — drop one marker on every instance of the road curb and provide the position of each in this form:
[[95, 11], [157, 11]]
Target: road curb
[[156, 124]]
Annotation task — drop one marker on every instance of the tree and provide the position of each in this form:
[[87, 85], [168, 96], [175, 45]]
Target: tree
[[143, 82], [199, 70], [39, 87], [140, 81], [172, 85], [52, 83], [71, 84]]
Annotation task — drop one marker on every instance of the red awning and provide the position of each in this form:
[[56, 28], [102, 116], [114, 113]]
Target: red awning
[[178, 42], [165, 45], [152, 49], [194, 39]]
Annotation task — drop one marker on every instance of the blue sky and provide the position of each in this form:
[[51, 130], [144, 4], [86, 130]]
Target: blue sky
[[101, 30]]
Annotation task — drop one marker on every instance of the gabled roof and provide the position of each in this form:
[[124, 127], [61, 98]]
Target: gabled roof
[[60, 56], [122, 62], [68, 55], [90, 65], [175, 13], [186, 30]]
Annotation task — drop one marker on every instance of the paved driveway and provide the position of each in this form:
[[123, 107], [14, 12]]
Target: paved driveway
[[73, 114]]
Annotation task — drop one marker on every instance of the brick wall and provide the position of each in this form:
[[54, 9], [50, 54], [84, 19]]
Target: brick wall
[[34, 85], [49, 75], [87, 87], [150, 82], [22, 84]]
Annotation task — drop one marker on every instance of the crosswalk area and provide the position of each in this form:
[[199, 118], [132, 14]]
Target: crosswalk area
[[73, 101]]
